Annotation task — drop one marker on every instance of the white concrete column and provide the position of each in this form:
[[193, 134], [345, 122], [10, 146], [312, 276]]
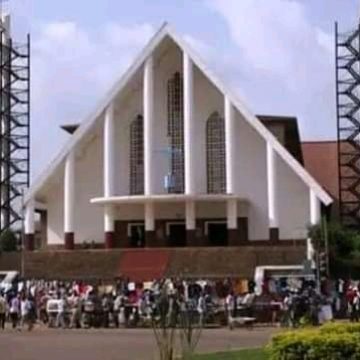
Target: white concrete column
[[69, 193], [232, 214], [109, 218], [189, 158], [314, 208], [29, 218], [150, 234], [190, 216], [230, 133], [109, 152], [272, 187], [109, 173], [149, 216], [315, 216], [148, 99]]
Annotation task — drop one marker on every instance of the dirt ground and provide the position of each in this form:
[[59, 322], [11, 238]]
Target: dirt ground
[[125, 344]]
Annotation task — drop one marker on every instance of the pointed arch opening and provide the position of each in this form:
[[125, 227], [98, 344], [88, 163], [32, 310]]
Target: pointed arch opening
[[215, 154], [175, 130], [137, 156]]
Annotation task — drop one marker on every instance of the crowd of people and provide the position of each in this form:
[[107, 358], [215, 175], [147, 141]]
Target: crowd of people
[[124, 303]]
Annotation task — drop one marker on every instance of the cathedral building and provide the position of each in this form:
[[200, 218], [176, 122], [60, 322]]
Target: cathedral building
[[172, 157]]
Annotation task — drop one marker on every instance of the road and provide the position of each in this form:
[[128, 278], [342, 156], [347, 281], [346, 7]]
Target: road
[[125, 344]]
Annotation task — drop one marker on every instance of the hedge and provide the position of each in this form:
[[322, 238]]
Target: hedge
[[332, 342], [337, 328]]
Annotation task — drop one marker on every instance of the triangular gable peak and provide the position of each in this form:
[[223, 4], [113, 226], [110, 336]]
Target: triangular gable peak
[[163, 34]]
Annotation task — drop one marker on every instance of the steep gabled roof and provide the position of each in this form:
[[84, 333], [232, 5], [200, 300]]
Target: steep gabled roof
[[163, 32]]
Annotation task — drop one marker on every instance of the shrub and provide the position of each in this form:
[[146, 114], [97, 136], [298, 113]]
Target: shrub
[[8, 241], [333, 342], [340, 328]]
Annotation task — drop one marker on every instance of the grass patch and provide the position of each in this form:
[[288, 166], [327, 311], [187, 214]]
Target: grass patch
[[246, 354]]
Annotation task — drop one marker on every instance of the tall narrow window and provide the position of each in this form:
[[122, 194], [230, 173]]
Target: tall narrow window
[[137, 156], [215, 151], [176, 133]]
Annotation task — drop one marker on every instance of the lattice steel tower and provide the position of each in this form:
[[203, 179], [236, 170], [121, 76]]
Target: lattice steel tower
[[348, 124], [15, 125]]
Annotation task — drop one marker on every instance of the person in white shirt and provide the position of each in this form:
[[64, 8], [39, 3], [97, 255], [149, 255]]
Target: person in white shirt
[[61, 315], [15, 311], [24, 311], [201, 309], [27, 309]]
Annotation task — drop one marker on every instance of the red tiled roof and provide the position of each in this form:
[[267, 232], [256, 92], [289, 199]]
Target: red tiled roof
[[321, 160]]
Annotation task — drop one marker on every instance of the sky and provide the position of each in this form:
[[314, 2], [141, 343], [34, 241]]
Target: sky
[[277, 54]]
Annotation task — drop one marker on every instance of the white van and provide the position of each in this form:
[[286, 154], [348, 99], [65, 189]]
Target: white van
[[7, 279], [277, 271]]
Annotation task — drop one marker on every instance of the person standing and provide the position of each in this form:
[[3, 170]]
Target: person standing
[[3, 308], [15, 311], [201, 309], [24, 311], [28, 313], [61, 316]]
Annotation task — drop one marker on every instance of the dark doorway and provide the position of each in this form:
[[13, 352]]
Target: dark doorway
[[217, 234], [137, 235], [177, 235]]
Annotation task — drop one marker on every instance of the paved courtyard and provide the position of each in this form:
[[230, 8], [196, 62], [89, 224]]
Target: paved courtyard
[[134, 344]]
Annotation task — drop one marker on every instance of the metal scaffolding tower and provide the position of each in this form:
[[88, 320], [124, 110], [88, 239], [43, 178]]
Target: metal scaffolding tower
[[15, 126], [348, 124]]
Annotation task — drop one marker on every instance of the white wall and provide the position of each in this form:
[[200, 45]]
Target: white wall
[[88, 184], [89, 218], [250, 175], [293, 201], [211, 210], [170, 211], [55, 213], [130, 212]]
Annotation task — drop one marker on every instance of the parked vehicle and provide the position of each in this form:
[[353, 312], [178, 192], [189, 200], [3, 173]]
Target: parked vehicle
[[8, 279]]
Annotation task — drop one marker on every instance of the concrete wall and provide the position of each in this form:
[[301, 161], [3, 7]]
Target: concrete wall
[[294, 203], [55, 209], [89, 184], [250, 184]]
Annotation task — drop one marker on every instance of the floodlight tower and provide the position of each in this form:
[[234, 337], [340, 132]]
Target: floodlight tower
[[14, 125], [347, 48]]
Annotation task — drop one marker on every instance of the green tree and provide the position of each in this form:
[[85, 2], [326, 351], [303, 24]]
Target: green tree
[[8, 241], [343, 241]]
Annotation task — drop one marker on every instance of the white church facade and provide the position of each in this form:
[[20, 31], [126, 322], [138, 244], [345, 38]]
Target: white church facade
[[170, 158]]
